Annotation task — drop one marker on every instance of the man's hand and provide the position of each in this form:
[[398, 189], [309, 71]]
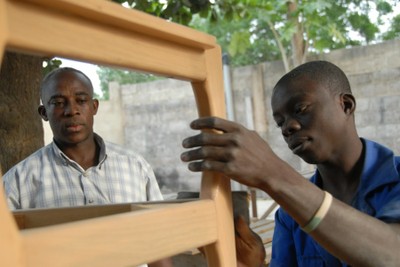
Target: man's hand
[[239, 153], [250, 250]]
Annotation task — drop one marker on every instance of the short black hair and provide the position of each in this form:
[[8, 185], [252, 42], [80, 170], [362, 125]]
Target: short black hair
[[323, 72], [54, 73]]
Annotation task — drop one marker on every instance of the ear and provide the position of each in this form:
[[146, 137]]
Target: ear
[[348, 103], [95, 106], [43, 113]]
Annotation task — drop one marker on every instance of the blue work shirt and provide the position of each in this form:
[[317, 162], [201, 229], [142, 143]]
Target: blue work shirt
[[378, 195]]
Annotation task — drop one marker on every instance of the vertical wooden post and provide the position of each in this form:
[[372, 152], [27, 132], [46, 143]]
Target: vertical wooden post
[[3, 28], [211, 102], [11, 243]]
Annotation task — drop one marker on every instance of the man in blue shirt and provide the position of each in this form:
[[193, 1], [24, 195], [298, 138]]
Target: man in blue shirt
[[349, 214]]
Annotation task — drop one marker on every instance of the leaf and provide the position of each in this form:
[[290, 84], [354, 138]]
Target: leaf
[[384, 7], [239, 43]]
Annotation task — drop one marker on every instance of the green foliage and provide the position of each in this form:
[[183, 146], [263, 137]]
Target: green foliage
[[394, 30], [180, 11], [50, 64], [362, 23], [239, 24]]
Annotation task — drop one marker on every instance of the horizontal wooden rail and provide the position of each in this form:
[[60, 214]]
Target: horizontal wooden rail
[[131, 20], [124, 239], [33, 218], [123, 47]]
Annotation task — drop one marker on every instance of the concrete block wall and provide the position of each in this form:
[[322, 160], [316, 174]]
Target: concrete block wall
[[157, 117]]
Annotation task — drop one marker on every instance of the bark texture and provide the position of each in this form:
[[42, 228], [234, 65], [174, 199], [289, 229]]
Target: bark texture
[[21, 129]]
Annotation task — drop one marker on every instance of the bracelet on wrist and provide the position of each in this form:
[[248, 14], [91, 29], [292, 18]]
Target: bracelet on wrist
[[319, 215]]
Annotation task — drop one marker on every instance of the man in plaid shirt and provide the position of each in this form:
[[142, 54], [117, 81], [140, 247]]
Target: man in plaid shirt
[[78, 167]]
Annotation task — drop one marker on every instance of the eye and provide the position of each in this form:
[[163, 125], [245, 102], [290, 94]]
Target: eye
[[279, 123], [300, 109], [57, 102], [82, 100]]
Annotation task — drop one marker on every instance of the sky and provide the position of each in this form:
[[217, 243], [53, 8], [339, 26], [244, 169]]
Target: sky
[[88, 69]]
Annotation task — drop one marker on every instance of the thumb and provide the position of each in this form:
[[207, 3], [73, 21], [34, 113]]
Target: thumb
[[242, 228]]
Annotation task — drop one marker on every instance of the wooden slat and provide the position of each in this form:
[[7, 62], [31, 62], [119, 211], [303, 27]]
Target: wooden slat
[[44, 217], [34, 218], [125, 239], [210, 101], [105, 44], [269, 210], [10, 240], [260, 223], [131, 19]]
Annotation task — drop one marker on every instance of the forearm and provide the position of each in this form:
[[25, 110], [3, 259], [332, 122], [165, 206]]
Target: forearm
[[294, 193], [357, 238]]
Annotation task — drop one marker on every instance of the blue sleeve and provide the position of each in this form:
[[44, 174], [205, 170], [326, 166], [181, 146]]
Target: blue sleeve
[[387, 199], [283, 250], [389, 208]]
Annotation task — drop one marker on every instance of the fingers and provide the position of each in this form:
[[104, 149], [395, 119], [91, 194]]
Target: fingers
[[208, 153], [249, 247], [242, 229], [206, 139], [206, 165], [210, 158], [214, 123], [214, 151]]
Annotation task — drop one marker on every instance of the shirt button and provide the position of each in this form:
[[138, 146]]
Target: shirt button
[[85, 174], [90, 201]]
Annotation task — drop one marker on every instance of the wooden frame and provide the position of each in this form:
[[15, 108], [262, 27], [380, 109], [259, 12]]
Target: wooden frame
[[102, 32]]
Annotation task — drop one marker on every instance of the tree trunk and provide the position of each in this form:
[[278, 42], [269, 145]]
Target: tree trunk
[[21, 129], [298, 48]]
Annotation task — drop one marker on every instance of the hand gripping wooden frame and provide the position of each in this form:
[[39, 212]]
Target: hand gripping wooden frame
[[119, 235]]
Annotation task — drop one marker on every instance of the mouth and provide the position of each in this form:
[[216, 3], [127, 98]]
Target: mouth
[[74, 127], [297, 145]]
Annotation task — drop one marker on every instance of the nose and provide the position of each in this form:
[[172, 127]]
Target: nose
[[290, 126], [71, 108]]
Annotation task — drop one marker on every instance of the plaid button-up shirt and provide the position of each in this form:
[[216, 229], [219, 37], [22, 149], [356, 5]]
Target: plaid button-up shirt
[[48, 178]]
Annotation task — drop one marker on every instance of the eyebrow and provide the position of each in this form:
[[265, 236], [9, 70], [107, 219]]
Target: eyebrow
[[56, 96], [295, 98], [63, 96]]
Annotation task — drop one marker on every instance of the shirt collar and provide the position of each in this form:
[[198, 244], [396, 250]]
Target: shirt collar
[[379, 167], [64, 159], [102, 154]]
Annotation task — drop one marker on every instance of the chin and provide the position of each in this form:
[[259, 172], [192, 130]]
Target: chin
[[73, 139], [309, 158]]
